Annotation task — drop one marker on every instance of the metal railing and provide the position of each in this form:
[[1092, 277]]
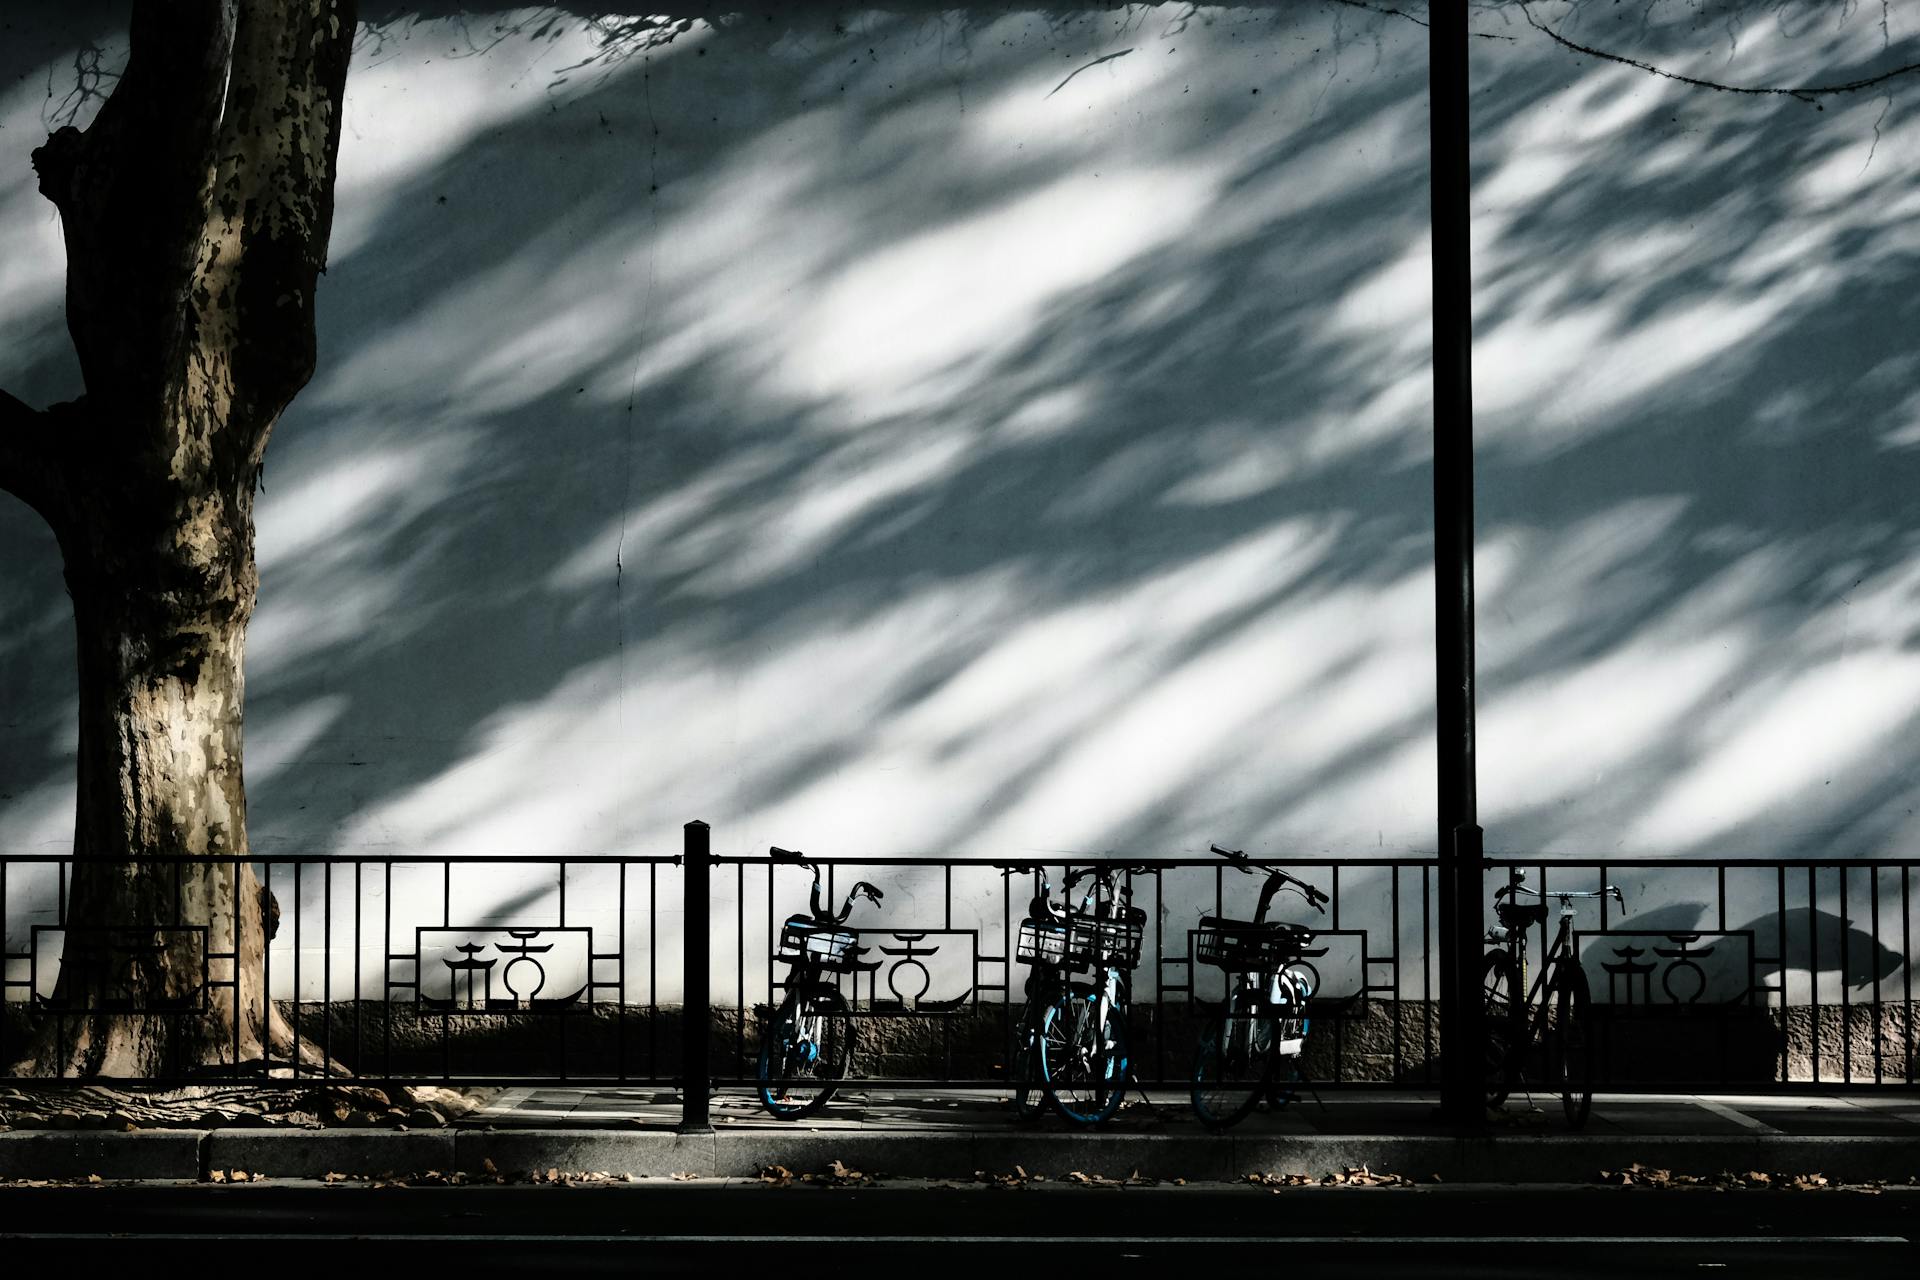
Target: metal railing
[[1754, 974]]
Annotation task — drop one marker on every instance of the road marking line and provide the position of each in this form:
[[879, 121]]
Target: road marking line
[[1739, 1117], [638, 1238]]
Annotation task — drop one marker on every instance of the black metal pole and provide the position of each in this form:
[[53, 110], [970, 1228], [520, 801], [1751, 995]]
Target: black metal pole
[[1462, 912], [696, 1018]]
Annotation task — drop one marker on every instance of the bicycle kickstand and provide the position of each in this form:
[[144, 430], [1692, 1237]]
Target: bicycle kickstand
[[1140, 1089]]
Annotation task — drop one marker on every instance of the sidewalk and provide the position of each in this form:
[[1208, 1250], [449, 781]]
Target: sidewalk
[[954, 1135]]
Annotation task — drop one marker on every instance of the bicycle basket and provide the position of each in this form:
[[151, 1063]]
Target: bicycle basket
[[803, 938], [1041, 942], [1114, 942], [1239, 946]]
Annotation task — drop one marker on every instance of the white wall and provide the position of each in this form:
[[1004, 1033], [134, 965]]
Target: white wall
[[897, 432]]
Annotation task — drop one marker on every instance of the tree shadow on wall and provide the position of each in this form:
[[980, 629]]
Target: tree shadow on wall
[[669, 458]]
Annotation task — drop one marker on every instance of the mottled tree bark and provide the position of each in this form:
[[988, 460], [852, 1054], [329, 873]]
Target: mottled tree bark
[[196, 209]]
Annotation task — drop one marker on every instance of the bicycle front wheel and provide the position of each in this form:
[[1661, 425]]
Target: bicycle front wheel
[[806, 1053], [1083, 1055], [1231, 1065], [1572, 1052], [1506, 1025]]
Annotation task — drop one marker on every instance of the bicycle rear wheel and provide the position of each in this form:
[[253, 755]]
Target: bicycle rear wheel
[[1232, 1062], [806, 1052], [1506, 1024], [1572, 1045], [1083, 1055]]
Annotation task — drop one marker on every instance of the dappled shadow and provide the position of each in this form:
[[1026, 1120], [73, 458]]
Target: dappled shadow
[[872, 435]]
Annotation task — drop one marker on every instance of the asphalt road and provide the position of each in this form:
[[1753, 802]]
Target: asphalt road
[[717, 1228]]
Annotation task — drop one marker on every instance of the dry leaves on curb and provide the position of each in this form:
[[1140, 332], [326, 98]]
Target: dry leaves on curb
[[1095, 1180], [837, 1175], [1352, 1177], [1639, 1175]]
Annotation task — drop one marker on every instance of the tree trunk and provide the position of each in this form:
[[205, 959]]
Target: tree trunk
[[196, 209], [162, 913]]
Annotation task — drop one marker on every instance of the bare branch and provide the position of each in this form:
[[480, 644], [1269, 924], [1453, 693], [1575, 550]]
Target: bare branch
[[1417, 21], [1807, 93], [26, 461]]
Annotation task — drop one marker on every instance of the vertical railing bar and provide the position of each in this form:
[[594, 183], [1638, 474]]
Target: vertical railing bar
[[241, 910], [620, 1015], [946, 1024], [1159, 974], [1603, 870], [560, 1016], [1786, 1030], [359, 1049], [326, 967], [297, 868], [1008, 1049], [772, 936], [1813, 962], [653, 970], [1907, 963], [1726, 1045], [1339, 1024], [386, 968], [60, 917], [740, 968], [6, 1060], [1846, 997], [1393, 881], [419, 976], [1873, 926], [1426, 967], [1906, 956]]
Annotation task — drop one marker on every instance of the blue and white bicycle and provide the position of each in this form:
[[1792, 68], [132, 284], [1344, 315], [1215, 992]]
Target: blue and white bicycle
[[1252, 1048]]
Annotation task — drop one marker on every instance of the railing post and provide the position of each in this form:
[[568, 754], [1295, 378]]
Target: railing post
[[696, 1017]]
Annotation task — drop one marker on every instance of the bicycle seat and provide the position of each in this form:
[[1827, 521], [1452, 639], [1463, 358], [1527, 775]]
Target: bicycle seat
[[1521, 915]]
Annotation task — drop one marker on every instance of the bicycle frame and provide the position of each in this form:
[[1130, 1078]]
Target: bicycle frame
[[1559, 967]]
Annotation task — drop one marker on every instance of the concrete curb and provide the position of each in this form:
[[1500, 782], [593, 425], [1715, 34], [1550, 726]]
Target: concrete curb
[[642, 1153], [163, 1155], [157, 1155], [314, 1153]]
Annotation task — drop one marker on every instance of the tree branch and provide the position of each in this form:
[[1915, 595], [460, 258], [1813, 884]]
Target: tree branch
[[272, 210], [1391, 12], [27, 469], [1807, 94], [132, 191]]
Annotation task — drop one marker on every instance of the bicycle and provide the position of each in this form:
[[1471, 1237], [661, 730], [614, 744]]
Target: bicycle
[[1071, 1050], [1563, 1023], [1263, 1020], [807, 1046]]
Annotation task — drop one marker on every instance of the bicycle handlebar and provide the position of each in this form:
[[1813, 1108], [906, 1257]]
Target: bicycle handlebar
[[1605, 891], [1286, 880]]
